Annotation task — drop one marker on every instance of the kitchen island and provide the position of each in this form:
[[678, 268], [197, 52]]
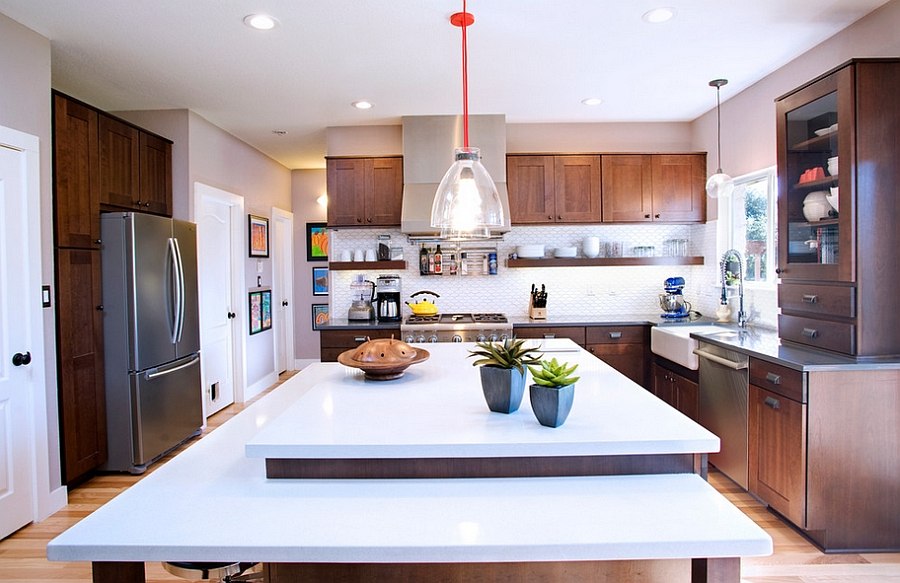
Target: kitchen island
[[214, 503]]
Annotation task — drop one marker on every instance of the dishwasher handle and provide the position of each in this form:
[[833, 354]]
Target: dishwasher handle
[[718, 359]]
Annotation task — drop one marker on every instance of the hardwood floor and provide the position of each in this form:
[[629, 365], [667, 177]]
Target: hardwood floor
[[23, 554]]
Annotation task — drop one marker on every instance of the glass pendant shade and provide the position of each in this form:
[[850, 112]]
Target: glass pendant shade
[[466, 204], [719, 185]]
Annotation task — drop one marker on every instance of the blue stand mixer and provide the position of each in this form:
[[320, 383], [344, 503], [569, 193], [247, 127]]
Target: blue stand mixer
[[672, 300]]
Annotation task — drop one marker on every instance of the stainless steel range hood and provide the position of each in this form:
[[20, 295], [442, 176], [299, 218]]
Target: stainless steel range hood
[[428, 144]]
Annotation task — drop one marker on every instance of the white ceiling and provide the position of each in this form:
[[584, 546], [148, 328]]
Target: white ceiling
[[534, 60]]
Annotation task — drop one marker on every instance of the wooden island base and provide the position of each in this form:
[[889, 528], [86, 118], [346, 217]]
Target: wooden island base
[[720, 570]]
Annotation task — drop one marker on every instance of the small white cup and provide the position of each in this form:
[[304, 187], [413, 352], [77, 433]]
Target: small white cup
[[370, 255], [591, 247], [346, 255], [359, 255]]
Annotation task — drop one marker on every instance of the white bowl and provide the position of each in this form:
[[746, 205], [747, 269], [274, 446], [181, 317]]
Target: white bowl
[[815, 206], [530, 251], [832, 197], [565, 252]]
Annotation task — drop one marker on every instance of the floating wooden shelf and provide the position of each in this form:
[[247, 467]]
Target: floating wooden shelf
[[603, 261], [360, 265]]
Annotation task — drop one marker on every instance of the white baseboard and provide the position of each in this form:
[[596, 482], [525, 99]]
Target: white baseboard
[[260, 386], [51, 502], [301, 363]]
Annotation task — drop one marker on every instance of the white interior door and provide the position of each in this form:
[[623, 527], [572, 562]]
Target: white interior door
[[218, 215], [283, 289], [19, 355]]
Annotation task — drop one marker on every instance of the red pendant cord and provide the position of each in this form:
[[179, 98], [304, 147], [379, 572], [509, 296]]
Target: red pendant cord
[[465, 80]]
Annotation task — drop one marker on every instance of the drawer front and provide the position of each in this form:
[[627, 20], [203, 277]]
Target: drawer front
[[820, 300], [835, 336], [576, 333], [352, 338], [785, 381], [616, 334]]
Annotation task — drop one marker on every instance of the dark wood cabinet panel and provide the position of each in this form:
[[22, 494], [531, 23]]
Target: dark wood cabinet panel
[[80, 352], [531, 182], [155, 174], [119, 163], [622, 347], [777, 453], [677, 390], [627, 188], [574, 333], [364, 191], [76, 174], [679, 193], [333, 342], [577, 188]]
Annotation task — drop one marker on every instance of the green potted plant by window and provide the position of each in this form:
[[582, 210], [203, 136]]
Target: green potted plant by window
[[503, 372], [552, 392]]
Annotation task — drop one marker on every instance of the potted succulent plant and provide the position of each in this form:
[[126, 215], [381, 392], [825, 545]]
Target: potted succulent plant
[[503, 372], [552, 392]]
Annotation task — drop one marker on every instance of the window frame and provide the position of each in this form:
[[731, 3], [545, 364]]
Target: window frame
[[726, 228]]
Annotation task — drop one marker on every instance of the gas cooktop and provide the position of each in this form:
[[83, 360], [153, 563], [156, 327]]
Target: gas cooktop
[[458, 327], [465, 318]]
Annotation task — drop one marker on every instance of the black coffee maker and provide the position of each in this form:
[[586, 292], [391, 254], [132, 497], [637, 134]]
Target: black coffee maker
[[387, 288]]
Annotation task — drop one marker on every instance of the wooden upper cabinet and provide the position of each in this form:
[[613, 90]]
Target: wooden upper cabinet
[[530, 180], [654, 187], [76, 170], [119, 163], [156, 174], [577, 189], [627, 188], [679, 187], [364, 191], [554, 189]]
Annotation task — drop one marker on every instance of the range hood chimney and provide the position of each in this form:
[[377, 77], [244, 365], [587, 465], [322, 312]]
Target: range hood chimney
[[428, 144]]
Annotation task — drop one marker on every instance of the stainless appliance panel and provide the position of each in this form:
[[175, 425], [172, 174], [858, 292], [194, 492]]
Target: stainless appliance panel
[[185, 234], [166, 407], [724, 407]]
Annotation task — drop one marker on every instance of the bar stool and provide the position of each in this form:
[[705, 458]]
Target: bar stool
[[224, 572]]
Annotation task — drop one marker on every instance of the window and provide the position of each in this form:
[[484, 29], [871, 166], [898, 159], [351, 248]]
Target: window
[[747, 223]]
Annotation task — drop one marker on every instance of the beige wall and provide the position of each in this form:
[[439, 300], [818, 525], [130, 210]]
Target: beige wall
[[306, 187], [25, 106]]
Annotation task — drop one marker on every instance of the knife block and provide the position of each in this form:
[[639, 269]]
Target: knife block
[[536, 313]]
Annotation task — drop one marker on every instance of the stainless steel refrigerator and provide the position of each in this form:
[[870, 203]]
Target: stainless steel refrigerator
[[151, 337]]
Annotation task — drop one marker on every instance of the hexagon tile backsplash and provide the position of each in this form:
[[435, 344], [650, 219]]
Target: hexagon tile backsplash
[[572, 291]]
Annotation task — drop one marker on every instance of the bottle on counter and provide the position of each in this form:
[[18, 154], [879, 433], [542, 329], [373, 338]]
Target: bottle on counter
[[438, 261], [453, 266], [430, 262], [423, 260]]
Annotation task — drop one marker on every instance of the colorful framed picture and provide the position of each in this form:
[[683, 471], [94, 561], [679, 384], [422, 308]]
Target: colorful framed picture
[[320, 281], [260, 311], [316, 242], [258, 236], [319, 315]]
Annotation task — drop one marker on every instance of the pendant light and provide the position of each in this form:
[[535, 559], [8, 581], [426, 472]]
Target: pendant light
[[719, 184], [466, 204]]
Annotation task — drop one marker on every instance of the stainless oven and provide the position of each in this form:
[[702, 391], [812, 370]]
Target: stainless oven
[[459, 327]]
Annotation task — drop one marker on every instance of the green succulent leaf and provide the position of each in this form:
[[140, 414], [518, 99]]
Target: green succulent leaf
[[510, 353]]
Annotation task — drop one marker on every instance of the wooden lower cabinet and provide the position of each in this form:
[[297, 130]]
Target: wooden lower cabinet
[[333, 342], [622, 347], [574, 333], [777, 453], [82, 397], [677, 390]]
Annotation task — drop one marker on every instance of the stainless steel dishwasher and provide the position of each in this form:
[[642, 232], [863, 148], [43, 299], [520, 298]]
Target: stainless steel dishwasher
[[724, 406]]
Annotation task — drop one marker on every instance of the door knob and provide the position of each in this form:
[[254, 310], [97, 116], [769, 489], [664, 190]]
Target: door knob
[[20, 359], [231, 315], [284, 302]]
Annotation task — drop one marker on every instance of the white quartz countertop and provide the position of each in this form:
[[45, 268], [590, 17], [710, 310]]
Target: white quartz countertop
[[437, 409], [213, 503]]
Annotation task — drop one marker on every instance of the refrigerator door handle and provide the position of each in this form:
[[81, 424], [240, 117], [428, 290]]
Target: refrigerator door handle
[[156, 373], [179, 264], [177, 291]]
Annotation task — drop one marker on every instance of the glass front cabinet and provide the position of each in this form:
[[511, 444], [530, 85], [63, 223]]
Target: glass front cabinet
[[838, 154]]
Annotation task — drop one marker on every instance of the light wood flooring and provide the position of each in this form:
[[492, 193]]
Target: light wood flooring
[[23, 554]]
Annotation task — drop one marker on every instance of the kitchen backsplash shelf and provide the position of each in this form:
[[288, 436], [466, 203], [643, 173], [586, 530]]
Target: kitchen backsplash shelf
[[360, 265], [603, 261]]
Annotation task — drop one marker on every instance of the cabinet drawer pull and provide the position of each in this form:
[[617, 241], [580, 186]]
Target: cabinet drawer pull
[[615, 335], [773, 378], [772, 402], [810, 332], [359, 338], [810, 298], [549, 335]]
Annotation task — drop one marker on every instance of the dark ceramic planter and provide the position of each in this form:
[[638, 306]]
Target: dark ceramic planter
[[551, 405], [503, 388]]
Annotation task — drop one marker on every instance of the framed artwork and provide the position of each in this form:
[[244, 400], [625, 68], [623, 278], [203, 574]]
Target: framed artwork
[[258, 236], [316, 242], [320, 281], [260, 311], [319, 315]]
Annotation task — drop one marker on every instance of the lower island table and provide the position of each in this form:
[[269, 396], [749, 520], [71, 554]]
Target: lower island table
[[621, 481]]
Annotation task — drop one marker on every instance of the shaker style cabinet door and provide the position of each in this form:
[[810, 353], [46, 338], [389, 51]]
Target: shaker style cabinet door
[[119, 163], [384, 191], [577, 189], [531, 189], [679, 188], [627, 188]]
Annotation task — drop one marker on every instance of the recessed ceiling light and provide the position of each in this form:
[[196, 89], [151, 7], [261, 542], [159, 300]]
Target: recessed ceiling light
[[362, 104], [592, 101], [260, 21], [658, 15]]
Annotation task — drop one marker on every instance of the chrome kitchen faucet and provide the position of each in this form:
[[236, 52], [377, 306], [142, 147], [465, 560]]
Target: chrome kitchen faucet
[[732, 256]]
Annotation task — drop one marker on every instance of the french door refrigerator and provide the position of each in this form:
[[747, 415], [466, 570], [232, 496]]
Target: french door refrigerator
[[151, 337]]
